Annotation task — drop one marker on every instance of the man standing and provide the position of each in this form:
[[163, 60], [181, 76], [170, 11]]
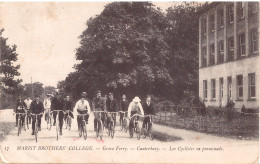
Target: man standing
[[36, 108], [28, 102], [57, 104], [148, 108], [47, 105], [111, 106], [98, 105], [82, 107]]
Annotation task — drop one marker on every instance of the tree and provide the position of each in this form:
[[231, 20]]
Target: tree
[[8, 71], [124, 49], [33, 89]]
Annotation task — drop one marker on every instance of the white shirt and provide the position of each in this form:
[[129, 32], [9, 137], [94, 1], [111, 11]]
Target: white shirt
[[47, 103], [82, 105], [28, 103], [135, 107]]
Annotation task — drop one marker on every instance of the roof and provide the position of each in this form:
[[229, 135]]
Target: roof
[[206, 7]]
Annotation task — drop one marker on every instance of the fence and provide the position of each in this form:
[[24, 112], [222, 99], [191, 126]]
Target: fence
[[222, 121]]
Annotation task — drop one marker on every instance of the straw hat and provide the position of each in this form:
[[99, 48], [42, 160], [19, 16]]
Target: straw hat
[[136, 99]]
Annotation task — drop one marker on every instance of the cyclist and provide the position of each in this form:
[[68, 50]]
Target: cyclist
[[134, 107], [82, 107], [28, 102], [68, 106], [20, 108], [98, 104], [123, 105], [111, 106], [47, 105], [36, 108], [57, 104], [148, 108]]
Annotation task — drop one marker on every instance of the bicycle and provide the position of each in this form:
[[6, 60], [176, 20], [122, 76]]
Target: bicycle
[[36, 125], [100, 126], [123, 121], [136, 127], [27, 118], [68, 120], [83, 127], [148, 129], [49, 120], [111, 125], [19, 122], [57, 122]]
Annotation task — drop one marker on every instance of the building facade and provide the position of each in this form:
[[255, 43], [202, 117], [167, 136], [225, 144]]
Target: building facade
[[229, 54]]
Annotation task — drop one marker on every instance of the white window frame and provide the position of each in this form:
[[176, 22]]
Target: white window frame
[[221, 18], [254, 40], [231, 13], [250, 76], [221, 87], [204, 56], [229, 88], [204, 24], [255, 7], [242, 45], [212, 22], [205, 90], [212, 54], [213, 89]]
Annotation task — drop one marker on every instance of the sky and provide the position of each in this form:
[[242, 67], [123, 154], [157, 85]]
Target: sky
[[46, 35]]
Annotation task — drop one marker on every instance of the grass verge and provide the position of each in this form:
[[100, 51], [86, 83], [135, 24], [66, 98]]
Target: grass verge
[[5, 129], [165, 137]]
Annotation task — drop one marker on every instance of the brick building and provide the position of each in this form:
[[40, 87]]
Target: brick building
[[229, 54]]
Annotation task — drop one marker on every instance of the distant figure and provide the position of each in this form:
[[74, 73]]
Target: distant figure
[[68, 106], [111, 106], [148, 107], [47, 105], [123, 106], [28, 102], [36, 108], [20, 108]]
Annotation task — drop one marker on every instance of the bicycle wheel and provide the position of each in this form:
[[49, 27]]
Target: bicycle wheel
[[121, 124], [138, 131], [57, 129], [19, 127], [125, 125], [36, 130], [27, 121], [84, 127], [69, 123], [112, 129], [50, 120], [150, 131]]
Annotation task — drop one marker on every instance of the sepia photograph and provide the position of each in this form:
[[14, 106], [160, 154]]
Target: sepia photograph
[[129, 82]]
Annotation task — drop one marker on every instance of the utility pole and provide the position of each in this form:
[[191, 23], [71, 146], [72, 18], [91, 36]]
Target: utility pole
[[31, 88]]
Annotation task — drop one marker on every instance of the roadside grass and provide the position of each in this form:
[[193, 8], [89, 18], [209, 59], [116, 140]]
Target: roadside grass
[[5, 129], [165, 137]]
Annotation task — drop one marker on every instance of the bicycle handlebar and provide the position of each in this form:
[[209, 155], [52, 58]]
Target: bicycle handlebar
[[36, 114], [122, 111], [149, 115], [57, 111], [136, 115], [98, 111], [82, 114]]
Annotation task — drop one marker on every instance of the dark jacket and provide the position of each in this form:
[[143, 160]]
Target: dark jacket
[[57, 104], [36, 108], [68, 106], [148, 109], [111, 105], [98, 103], [21, 105], [123, 105]]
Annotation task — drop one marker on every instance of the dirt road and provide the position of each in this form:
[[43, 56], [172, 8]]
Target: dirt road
[[70, 148]]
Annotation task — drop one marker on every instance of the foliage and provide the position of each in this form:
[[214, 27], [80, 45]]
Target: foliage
[[8, 71], [230, 104], [33, 89]]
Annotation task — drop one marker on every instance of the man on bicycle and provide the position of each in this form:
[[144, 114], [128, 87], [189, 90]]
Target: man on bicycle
[[134, 107], [82, 107], [68, 107], [57, 104], [148, 110], [28, 102], [123, 106], [98, 104], [111, 106], [20, 108], [47, 105], [36, 108]]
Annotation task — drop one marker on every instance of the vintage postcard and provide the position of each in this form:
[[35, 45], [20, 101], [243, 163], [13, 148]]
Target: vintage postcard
[[129, 82]]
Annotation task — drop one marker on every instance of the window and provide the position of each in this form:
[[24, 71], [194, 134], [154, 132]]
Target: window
[[221, 18], [231, 13], [240, 87], [229, 88], [252, 8], [230, 48], [204, 26], [254, 40], [221, 52], [212, 22], [241, 9], [213, 89], [212, 54], [252, 87], [221, 86], [205, 89], [242, 46], [204, 57]]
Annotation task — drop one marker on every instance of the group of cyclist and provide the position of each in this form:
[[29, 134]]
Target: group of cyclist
[[101, 106]]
